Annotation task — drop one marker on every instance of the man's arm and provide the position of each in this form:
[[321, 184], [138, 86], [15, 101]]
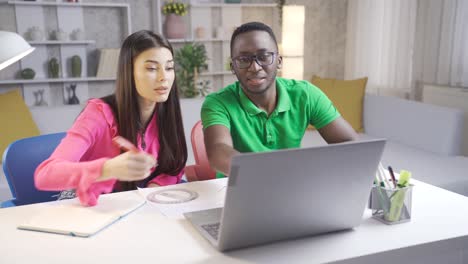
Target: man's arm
[[218, 144], [339, 130]]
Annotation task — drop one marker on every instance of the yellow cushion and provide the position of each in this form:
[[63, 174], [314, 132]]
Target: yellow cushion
[[15, 119], [347, 96]]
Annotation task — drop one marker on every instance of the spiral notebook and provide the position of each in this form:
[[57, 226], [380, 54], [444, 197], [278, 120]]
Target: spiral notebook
[[69, 217]]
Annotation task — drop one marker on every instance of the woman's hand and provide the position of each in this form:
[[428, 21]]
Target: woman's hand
[[128, 166]]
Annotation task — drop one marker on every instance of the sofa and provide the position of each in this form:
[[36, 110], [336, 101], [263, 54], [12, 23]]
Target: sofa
[[424, 139]]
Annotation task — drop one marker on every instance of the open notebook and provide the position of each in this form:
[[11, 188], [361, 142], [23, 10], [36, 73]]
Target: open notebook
[[68, 217]]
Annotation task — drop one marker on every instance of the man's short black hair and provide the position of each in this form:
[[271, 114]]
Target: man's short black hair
[[252, 26]]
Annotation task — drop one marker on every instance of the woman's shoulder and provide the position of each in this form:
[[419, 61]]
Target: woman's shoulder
[[100, 105], [97, 109]]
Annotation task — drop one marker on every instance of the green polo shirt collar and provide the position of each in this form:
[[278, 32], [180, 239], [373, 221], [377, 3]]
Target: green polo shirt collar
[[284, 102]]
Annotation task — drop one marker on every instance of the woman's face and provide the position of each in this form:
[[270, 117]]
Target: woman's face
[[154, 75]]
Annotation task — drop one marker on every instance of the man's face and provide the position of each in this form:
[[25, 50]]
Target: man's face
[[255, 61]]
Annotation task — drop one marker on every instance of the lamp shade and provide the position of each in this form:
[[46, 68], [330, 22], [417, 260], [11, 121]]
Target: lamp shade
[[13, 47]]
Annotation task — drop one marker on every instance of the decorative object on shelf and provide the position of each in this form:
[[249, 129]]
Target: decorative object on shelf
[[28, 74], [191, 59], [35, 34], [174, 26], [72, 1], [77, 34], [200, 33], [39, 98], [13, 48], [232, 1], [204, 87], [72, 98], [54, 68], [76, 66], [108, 62], [58, 34], [204, 1]]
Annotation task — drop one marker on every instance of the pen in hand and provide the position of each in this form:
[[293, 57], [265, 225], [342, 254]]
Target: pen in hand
[[132, 165], [392, 176], [123, 143], [126, 145]]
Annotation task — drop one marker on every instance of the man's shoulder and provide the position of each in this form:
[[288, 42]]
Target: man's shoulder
[[297, 87], [226, 95]]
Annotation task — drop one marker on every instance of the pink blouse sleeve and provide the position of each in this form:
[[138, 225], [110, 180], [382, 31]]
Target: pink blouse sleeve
[[165, 179], [64, 169]]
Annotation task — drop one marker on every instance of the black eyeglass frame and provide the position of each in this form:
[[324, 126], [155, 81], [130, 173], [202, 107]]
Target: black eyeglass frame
[[253, 58]]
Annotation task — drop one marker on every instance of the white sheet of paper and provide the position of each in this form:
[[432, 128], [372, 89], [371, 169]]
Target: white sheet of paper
[[209, 196]]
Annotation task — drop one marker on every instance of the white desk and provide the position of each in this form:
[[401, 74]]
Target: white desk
[[438, 233]]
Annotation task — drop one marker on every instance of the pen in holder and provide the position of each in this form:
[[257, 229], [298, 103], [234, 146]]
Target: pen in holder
[[391, 205]]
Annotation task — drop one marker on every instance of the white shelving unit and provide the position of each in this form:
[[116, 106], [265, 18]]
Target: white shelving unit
[[212, 17], [56, 80], [58, 42], [215, 73], [188, 40], [232, 5], [69, 17]]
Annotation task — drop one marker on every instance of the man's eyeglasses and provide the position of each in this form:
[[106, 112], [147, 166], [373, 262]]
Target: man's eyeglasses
[[262, 59]]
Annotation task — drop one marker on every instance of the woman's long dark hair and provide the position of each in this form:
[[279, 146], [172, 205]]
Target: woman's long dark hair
[[172, 154]]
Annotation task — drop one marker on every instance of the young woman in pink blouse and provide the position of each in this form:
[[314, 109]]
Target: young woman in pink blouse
[[144, 109]]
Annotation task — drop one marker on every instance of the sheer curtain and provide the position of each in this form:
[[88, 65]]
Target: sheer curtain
[[379, 44], [397, 43], [441, 46]]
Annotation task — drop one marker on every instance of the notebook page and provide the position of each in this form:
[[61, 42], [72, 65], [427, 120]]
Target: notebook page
[[71, 218]]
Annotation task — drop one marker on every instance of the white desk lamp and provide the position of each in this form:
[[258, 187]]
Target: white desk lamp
[[13, 48]]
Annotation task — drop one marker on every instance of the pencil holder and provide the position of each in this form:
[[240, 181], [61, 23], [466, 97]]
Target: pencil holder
[[391, 205]]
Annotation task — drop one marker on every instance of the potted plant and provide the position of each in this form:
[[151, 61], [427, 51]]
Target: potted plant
[[190, 59], [174, 26]]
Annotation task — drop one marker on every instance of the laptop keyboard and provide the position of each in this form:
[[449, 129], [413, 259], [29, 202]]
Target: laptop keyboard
[[212, 229]]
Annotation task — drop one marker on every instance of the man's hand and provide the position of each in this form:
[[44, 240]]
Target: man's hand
[[219, 148]]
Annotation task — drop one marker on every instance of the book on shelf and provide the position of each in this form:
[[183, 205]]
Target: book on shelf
[[108, 61]]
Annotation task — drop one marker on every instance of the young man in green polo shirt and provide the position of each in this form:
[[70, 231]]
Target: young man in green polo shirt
[[262, 112]]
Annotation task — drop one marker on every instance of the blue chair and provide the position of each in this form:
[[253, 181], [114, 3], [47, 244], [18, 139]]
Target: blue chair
[[20, 160]]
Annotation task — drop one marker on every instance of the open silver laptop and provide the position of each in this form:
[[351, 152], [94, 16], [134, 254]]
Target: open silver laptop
[[292, 193]]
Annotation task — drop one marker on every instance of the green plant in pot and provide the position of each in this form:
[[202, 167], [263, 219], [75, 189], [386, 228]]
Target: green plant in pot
[[76, 66], [54, 68], [28, 74], [190, 59]]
